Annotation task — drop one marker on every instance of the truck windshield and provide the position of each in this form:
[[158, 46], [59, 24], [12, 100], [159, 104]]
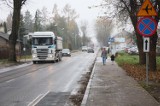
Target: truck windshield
[[42, 41]]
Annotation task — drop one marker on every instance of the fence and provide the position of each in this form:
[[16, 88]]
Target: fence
[[4, 52]]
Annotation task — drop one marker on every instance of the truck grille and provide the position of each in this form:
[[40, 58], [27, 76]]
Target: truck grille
[[42, 53]]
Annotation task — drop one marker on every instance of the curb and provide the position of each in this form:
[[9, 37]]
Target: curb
[[84, 101]]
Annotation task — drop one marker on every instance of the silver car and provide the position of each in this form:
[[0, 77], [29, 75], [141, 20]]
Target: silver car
[[66, 52]]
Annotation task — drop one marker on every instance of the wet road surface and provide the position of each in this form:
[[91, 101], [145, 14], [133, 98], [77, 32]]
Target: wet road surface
[[27, 85]]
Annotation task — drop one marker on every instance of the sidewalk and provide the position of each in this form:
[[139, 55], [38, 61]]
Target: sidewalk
[[110, 86]]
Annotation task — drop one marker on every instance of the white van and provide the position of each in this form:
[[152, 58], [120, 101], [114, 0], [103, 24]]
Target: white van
[[84, 48]]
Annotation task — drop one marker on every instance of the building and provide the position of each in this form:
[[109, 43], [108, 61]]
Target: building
[[4, 39], [4, 45], [121, 41]]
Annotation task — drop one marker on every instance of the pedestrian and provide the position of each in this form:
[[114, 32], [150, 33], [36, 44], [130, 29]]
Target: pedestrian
[[112, 58], [104, 55]]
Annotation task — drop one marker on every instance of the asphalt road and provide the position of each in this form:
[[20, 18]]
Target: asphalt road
[[27, 85]]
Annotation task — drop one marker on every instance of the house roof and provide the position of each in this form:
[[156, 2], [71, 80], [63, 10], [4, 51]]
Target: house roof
[[4, 35], [123, 34]]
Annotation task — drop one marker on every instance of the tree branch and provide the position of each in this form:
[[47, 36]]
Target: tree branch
[[8, 3], [23, 2]]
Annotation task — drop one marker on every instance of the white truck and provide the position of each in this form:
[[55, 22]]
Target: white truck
[[46, 47]]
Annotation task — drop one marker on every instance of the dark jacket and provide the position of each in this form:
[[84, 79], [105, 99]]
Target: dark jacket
[[112, 57]]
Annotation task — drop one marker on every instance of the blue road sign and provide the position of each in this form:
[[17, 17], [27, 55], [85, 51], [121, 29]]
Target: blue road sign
[[111, 39], [146, 26]]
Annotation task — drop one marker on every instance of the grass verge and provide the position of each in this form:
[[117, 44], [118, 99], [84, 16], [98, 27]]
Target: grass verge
[[130, 64]]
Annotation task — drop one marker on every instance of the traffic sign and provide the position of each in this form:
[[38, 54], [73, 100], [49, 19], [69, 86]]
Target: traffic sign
[[146, 44], [146, 26], [147, 9], [111, 39]]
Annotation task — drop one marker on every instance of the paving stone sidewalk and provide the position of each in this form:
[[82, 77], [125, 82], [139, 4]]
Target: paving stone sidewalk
[[110, 86]]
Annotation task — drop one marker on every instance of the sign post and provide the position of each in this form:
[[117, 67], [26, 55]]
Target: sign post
[[146, 46], [147, 69], [146, 27]]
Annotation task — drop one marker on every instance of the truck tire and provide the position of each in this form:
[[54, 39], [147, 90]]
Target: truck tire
[[34, 62], [57, 60]]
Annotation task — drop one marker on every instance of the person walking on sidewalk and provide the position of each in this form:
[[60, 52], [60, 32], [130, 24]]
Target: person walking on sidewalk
[[104, 55]]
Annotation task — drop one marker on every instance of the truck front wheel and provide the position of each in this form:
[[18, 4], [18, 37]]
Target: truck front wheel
[[34, 62]]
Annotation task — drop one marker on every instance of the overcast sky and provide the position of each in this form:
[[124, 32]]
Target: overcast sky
[[80, 6]]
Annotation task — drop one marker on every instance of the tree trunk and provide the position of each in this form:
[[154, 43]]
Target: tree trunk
[[14, 32], [142, 56], [152, 53]]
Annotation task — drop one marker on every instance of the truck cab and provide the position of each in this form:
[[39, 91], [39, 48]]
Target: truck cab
[[46, 47]]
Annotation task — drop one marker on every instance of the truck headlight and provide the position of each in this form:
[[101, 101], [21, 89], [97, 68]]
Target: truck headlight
[[34, 55], [50, 55]]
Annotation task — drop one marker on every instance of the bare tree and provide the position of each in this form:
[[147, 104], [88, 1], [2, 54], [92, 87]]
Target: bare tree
[[69, 13], [84, 25], [9, 21], [70, 16], [44, 17], [17, 4], [125, 9], [103, 30]]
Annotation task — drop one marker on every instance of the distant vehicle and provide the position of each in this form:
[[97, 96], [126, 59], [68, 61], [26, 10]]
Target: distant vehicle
[[66, 52], [126, 49], [46, 47], [84, 48], [90, 50], [133, 50]]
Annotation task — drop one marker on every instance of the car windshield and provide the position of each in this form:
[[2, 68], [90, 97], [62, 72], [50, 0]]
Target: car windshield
[[42, 41], [65, 50], [84, 47]]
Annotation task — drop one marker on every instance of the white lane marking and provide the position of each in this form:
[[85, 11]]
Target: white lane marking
[[37, 99], [10, 80]]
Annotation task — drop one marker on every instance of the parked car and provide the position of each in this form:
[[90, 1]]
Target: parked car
[[126, 49], [66, 52], [133, 50], [84, 48], [90, 50]]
